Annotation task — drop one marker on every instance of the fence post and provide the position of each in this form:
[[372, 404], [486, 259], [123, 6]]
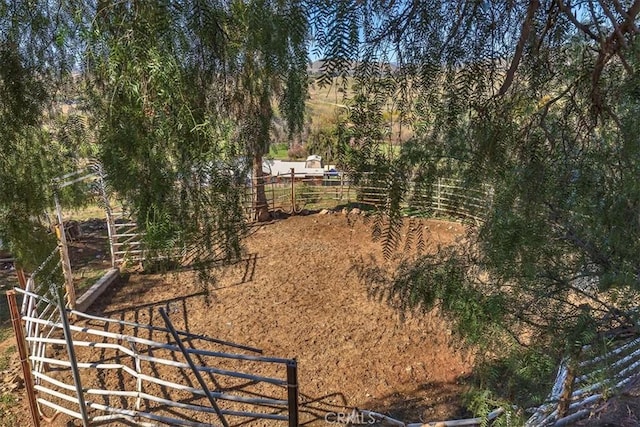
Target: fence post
[[292, 392], [16, 322], [22, 279], [72, 357], [64, 254], [273, 191], [109, 217], [293, 191]]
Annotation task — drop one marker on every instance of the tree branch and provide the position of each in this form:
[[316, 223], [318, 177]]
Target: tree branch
[[527, 25], [566, 9]]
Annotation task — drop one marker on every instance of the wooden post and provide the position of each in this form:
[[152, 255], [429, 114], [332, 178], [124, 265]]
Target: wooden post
[[64, 255], [16, 322], [292, 392], [22, 279], [293, 191]]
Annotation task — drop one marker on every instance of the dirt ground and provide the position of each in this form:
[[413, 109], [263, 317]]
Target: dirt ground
[[297, 294]]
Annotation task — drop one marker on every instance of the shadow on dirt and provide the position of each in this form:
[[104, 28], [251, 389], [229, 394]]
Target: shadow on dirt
[[421, 404], [147, 312]]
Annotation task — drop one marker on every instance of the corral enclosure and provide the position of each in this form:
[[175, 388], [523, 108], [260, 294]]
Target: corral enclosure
[[297, 294], [320, 268], [306, 294]]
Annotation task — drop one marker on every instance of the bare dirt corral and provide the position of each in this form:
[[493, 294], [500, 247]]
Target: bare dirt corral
[[297, 294]]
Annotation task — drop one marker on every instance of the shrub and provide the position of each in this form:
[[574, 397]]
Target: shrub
[[297, 151]]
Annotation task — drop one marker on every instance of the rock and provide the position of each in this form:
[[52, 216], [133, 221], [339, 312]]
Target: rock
[[324, 212], [345, 212], [355, 211]]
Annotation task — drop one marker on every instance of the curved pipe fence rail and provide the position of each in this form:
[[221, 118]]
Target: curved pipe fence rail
[[97, 369], [592, 380], [294, 192]]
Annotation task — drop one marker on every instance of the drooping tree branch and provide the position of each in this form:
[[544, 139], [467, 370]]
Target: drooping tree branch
[[566, 10], [525, 32]]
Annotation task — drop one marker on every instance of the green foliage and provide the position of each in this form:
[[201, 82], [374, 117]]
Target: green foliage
[[38, 142], [279, 151], [523, 375], [267, 62], [483, 402], [547, 117], [326, 143], [163, 146], [174, 95]]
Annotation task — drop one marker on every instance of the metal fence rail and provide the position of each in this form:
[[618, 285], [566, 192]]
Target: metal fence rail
[[294, 192], [76, 365], [593, 379], [452, 197]]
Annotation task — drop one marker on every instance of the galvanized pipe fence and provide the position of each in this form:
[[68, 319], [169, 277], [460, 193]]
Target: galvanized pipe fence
[[585, 384], [73, 367], [95, 369], [293, 192]]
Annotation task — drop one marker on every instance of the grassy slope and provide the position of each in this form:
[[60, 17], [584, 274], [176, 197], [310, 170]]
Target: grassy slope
[[327, 104]]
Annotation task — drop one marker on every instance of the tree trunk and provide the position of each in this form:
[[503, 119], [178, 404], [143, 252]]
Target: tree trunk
[[260, 205], [567, 390]]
